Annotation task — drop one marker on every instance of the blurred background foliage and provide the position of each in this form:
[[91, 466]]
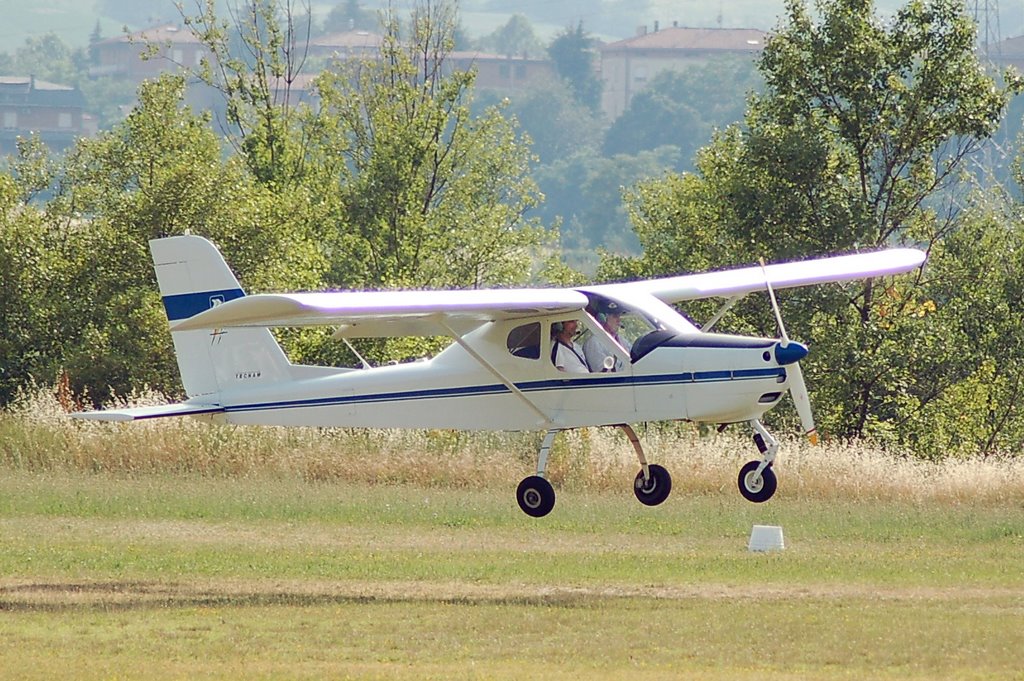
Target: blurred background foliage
[[854, 133]]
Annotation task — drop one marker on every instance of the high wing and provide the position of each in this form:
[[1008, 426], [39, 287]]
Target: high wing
[[388, 313], [430, 313], [739, 282]]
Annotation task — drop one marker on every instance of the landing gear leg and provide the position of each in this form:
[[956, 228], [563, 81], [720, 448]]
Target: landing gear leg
[[653, 483], [757, 480], [535, 495]]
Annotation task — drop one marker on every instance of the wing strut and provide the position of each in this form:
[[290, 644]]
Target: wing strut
[[721, 313], [546, 421]]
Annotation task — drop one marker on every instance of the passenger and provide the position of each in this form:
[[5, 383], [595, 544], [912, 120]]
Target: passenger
[[595, 350], [566, 355]]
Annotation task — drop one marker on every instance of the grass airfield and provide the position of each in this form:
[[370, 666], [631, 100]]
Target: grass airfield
[[158, 576], [173, 549]]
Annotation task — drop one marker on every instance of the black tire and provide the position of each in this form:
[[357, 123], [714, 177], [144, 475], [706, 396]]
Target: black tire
[[654, 491], [536, 496], [757, 491]]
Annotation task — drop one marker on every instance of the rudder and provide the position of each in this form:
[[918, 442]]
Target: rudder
[[194, 277]]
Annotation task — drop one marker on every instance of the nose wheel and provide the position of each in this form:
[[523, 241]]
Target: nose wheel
[[755, 486], [757, 480]]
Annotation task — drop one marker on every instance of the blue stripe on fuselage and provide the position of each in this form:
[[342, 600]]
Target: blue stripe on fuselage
[[608, 381], [185, 305]]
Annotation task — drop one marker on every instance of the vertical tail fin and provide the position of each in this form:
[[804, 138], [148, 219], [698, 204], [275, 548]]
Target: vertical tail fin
[[194, 277]]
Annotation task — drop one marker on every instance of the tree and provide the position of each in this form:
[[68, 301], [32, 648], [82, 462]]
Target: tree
[[557, 124], [350, 16], [516, 38], [256, 63], [397, 185], [48, 58], [421, 192], [583, 191], [85, 266], [857, 142], [95, 37], [429, 194], [682, 108], [572, 52]]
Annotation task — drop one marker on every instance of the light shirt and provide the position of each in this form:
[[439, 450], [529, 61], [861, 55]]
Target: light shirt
[[595, 350], [569, 358]]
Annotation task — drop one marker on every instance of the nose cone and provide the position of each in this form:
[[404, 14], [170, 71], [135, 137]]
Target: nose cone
[[789, 353]]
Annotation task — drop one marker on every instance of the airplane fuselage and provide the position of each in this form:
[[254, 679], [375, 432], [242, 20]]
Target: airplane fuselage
[[713, 378]]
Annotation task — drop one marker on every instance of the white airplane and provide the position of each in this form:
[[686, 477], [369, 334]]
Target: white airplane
[[498, 374]]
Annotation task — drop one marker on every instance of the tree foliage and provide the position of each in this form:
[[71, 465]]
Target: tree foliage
[[350, 15], [427, 194], [557, 125], [857, 142], [391, 182], [574, 57], [394, 179], [515, 38], [583, 192], [256, 63], [683, 108]]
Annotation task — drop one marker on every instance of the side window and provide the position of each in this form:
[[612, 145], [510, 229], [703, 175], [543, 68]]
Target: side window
[[524, 341]]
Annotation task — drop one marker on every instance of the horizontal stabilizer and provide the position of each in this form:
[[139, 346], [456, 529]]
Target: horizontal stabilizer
[[138, 413]]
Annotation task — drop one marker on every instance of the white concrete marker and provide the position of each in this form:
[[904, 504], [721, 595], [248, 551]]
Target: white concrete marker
[[766, 538]]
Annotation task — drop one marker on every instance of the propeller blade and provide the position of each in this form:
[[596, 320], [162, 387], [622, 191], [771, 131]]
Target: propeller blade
[[775, 306], [786, 355], [798, 389]]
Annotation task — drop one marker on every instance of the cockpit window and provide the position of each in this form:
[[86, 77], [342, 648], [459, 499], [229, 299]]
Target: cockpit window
[[524, 341], [632, 323]]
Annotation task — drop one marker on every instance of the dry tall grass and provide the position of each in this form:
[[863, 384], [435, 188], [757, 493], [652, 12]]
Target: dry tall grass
[[36, 434]]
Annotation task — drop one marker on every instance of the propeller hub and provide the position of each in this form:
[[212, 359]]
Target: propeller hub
[[788, 353]]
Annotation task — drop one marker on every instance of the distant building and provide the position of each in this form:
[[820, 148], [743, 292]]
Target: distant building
[[54, 112], [628, 65], [128, 56], [150, 52], [495, 72], [346, 45], [1009, 52]]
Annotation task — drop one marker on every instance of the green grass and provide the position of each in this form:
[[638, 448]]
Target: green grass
[[171, 576], [175, 549]]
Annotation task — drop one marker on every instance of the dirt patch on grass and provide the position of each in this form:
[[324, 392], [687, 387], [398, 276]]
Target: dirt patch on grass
[[273, 536], [43, 596]]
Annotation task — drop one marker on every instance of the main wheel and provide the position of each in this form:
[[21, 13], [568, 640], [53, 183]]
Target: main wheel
[[754, 487], [655, 490], [535, 496]]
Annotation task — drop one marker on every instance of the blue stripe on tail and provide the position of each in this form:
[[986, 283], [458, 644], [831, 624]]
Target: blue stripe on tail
[[185, 305]]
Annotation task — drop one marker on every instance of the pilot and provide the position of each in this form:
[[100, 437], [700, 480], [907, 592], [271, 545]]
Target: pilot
[[595, 350], [566, 355]]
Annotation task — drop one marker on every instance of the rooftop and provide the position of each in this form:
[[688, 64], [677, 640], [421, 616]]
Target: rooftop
[[157, 34], [682, 38], [348, 39], [30, 91]]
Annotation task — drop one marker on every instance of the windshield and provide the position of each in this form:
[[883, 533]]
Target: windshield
[[624, 322], [638, 322]]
